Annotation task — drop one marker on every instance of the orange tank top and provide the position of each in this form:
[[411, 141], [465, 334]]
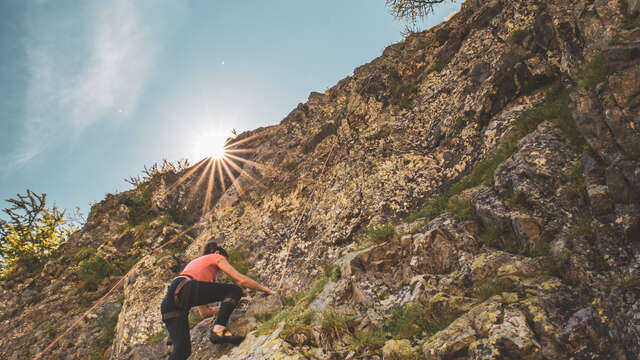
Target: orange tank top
[[204, 268]]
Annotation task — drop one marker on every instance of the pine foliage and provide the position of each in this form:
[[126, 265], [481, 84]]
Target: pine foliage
[[32, 232]]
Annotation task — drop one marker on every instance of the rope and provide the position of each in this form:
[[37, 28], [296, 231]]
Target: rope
[[113, 288], [299, 222], [121, 281]]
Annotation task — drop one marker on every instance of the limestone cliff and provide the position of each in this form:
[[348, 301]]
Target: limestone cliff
[[471, 193]]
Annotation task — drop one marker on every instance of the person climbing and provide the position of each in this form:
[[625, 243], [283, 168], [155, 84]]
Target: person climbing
[[196, 286]]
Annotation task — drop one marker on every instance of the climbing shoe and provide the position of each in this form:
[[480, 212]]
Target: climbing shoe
[[224, 337]]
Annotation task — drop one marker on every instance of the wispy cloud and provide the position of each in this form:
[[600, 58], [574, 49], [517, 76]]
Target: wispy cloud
[[85, 64]]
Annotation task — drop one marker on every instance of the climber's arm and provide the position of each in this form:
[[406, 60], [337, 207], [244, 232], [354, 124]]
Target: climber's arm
[[242, 280]]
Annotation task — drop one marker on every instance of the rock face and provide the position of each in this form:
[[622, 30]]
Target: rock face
[[500, 149]]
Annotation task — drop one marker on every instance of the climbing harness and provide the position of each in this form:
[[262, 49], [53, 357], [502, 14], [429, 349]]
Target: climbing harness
[[176, 299]]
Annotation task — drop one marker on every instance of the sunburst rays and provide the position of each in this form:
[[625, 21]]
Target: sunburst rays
[[213, 175]]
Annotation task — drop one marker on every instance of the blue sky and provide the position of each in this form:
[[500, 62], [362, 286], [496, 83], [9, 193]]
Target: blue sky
[[92, 91]]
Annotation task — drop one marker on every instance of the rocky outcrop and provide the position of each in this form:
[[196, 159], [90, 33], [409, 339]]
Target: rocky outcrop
[[478, 183]]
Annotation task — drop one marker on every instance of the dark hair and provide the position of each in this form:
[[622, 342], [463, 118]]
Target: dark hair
[[211, 247]]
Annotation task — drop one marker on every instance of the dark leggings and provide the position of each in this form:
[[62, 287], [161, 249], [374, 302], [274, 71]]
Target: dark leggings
[[195, 293]]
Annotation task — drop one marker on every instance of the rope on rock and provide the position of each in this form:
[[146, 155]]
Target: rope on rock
[[105, 296], [299, 222], [121, 280], [116, 285]]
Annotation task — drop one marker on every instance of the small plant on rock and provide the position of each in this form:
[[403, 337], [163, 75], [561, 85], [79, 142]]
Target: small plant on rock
[[367, 341], [461, 208], [517, 36], [493, 287], [92, 271], [295, 308], [413, 319], [381, 233], [433, 207], [595, 71], [154, 338], [557, 265], [335, 325]]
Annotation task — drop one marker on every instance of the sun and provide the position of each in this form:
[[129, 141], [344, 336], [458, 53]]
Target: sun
[[218, 151], [208, 144]]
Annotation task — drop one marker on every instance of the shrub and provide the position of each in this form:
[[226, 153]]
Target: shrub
[[296, 324], [493, 287], [582, 229], [84, 253], [433, 207], [139, 203], [557, 265], [459, 124], [629, 283], [461, 208], [106, 341], [630, 21], [381, 233], [238, 259], [32, 234], [290, 164], [370, 339], [263, 316], [125, 263], [154, 338], [438, 65], [595, 71], [484, 170], [93, 270], [517, 36], [413, 319], [194, 318], [577, 185], [295, 309], [517, 199], [597, 260], [179, 216], [335, 324], [335, 274]]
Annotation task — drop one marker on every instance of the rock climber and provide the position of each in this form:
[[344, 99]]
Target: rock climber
[[196, 286]]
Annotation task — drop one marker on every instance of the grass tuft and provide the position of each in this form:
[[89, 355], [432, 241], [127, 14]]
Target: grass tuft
[[463, 209], [595, 71], [493, 287], [335, 325], [295, 310], [517, 36], [92, 271], [416, 320], [433, 207], [381, 233], [194, 318], [557, 266], [367, 341], [154, 338], [438, 65], [459, 124], [139, 203]]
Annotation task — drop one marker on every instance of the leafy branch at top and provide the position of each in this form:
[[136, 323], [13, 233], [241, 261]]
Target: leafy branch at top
[[411, 10]]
